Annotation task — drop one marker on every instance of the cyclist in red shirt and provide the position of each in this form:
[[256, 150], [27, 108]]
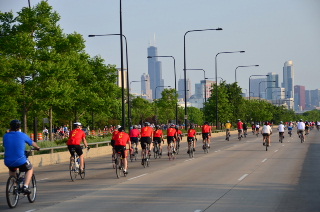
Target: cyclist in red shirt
[[192, 137], [206, 133], [172, 135], [121, 141], [77, 136], [146, 138], [240, 128], [134, 137], [158, 137]]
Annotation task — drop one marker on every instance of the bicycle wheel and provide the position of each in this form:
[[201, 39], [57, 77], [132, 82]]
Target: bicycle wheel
[[73, 170], [301, 138], [118, 168], [121, 168], [12, 193], [33, 189], [113, 161], [83, 173], [178, 147], [155, 151]]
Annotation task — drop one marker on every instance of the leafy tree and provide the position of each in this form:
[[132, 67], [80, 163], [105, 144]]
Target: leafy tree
[[142, 110], [166, 106]]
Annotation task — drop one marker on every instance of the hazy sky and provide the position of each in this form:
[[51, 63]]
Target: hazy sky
[[270, 31]]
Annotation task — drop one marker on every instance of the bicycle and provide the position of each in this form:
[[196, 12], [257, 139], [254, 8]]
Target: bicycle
[[290, 132], [266, 141], [178, 145], [239, 135], [257, 133], [205, 146], [14, 187], [145, 156], [245, 133], [171, 153], [301, 136], [119, 165], [157, 152], [74, 166], [190, 147], [228, 135], [134, 153]]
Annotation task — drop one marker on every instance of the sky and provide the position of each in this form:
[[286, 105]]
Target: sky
[[270, 32]]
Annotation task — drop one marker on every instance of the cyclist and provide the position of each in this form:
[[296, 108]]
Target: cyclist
[[172, 135], [281, 128], [121, 141], [257, 128], [300, 128], [253, 128], [240, 128], [134, 137], [290, 127], [158, 137], [266, 131], [206, 133], [179, 137], [77, 136], [318, 125], [146, 138], [14, 143], [114, 134], [245, 129], [228, 126], [192, 137], [307, 126]]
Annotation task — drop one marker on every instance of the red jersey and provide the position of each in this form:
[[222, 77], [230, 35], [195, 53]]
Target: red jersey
[[191, 132], [121, 139], [239, 125], [179, 132], [171, 132], [206, 128], [157, 133], [114, 134], [76, 137], [146, 132], [134, 133]]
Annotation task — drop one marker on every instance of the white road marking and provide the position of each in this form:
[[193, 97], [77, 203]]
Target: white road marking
[[276, 150], [188, 160], [137, 176], [244, 176], [30, 210], [264, 160], [43, 179], [198, 210]]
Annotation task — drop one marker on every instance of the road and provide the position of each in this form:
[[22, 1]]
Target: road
[[233, 176]]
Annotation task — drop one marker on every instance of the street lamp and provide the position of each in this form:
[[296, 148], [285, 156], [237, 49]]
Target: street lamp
[[250, 83], [216, 75], [235, 71], [122, 73], [260, 84], [175, 80], [184, 69], [205, 82]]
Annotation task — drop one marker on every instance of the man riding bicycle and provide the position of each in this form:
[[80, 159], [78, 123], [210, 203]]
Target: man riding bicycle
[[121, 141], [228, 126], [134, 137], [77, 136], [240, 128], [146, 138], [172, 135], [158, 137], [300, 128], [14, 143], [192, 137], [281, 128], [266, 131], [206, 133]]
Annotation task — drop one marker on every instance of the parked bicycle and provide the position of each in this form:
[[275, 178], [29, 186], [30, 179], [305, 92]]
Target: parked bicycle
[[14, 187]]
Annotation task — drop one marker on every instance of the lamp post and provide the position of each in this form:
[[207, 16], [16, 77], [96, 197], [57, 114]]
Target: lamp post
[[216, 75], [175, 80], [122, 72], [129, 103], [235, 71], [205, 81], [260, 84], [250, 83], [185, 74]]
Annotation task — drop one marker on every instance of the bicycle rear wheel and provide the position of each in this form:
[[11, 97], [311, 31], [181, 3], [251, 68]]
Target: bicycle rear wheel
[[118, 168], [12, 193], [33, 188], [73, 170], [155, 151], [83, 173]]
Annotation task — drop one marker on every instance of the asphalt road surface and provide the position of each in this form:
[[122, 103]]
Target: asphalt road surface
[[233, 176]]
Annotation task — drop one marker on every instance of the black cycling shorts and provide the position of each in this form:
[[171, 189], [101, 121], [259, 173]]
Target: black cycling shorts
[[144, 141], [77, 148], [23, 168], [170, 139], [112, 143], [205, 136], [121, 149], [190, 139], [265, 134], [157, 139], [134, 140]]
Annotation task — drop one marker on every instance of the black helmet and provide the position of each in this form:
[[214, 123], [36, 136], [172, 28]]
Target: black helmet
[[121, 129], [192, 127], [15, 125]]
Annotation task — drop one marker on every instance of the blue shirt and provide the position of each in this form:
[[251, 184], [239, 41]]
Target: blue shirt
[[14, 148]]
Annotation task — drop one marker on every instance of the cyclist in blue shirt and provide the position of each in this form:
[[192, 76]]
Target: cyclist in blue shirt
[[14, 143]]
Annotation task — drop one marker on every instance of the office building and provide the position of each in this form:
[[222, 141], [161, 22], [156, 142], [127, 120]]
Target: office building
[[155, 72], [258, 87], [181, 89], [146, 92], [288, 78], [299, 98], [273, 87]]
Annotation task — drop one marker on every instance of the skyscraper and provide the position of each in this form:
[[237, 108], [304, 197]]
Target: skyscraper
[[181, 89], [288, 78], [273, 87], [257, 85], [145, 86], [299, 98], [155, 72]]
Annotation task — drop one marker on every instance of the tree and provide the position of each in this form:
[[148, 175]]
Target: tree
[[166, 106]]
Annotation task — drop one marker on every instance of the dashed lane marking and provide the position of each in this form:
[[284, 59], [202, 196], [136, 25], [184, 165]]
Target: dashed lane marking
[[137, 176]]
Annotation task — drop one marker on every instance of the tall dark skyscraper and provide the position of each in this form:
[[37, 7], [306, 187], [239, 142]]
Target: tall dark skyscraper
[[155, 72], [288, 78]]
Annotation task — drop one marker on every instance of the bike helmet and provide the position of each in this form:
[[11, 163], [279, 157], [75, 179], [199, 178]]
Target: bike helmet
[[172, 126], [15, 125], [228, 121], [192, 127], [146, 124], [121, 129], [281, 122]]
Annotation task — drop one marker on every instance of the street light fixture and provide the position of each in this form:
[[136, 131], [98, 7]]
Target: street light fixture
[[235, 71], [205, 82], [260, 84], [184, 69], [250, 83], [175, 80], [122, 72], [216, 75]]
